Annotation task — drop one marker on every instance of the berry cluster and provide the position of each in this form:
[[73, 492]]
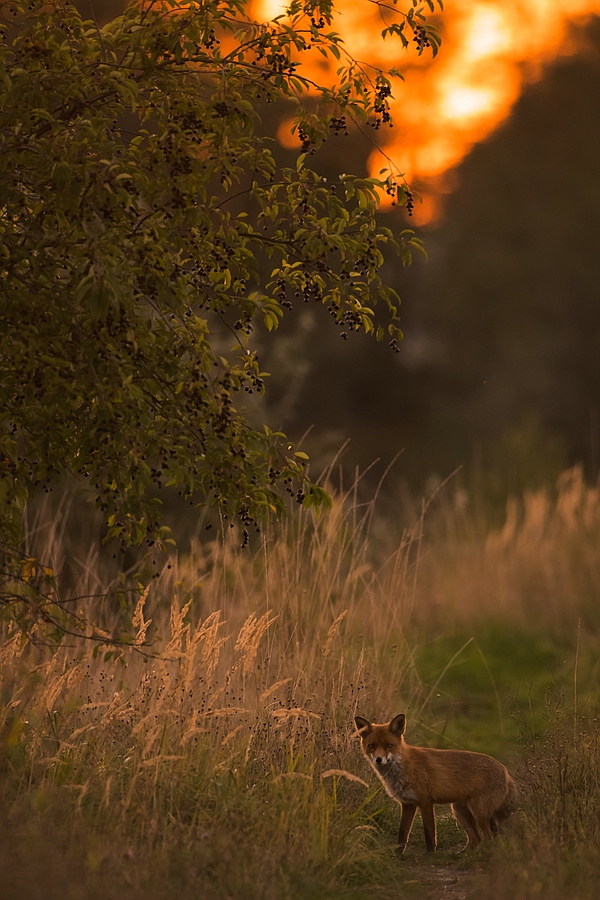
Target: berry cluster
[[278, 64], [34, 49], [190, 122], [282, 293], [210, 39], [221, 109], [391, 190], [381, 106], [276, 61], [421, 38], [351, 320], [308, 143], [244, 324], [338, 124], [254, 383], [175, 157], [298, 495], [404, 195], [312, 292]]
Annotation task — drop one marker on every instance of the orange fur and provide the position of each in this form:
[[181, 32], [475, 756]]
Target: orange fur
[[481, 791]]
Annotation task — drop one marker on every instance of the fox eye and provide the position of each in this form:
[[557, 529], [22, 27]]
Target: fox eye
[[371, 747], [388, 746]]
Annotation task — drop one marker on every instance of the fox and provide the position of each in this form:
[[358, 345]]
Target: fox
[[478, 787]]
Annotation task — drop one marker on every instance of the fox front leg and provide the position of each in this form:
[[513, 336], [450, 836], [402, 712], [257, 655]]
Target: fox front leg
[[428, 816], [406, 820]]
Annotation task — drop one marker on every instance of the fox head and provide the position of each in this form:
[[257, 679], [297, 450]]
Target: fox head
[[381, 743]]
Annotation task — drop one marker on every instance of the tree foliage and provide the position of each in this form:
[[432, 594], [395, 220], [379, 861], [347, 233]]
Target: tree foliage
[[146, 231]]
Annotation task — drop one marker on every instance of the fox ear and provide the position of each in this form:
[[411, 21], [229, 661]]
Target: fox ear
[[362, 725], [398, 724]]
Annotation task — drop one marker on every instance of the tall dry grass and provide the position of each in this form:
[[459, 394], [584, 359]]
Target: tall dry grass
[[541, 568], [217, 754], [553, 849], [225, 733]]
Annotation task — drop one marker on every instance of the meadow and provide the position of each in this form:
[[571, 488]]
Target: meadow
[[216, 757]]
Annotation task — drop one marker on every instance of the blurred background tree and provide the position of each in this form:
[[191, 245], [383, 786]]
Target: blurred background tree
[[499, 370], [507, 312]]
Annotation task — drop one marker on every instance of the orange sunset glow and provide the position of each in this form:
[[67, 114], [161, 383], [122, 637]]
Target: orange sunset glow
[[446, 105]]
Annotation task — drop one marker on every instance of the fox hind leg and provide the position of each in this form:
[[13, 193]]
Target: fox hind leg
[[482, 810], [464, 817]]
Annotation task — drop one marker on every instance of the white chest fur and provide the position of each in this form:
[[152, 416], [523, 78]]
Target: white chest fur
[[395, 781]]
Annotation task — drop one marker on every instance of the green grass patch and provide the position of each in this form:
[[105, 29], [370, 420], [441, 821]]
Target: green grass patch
[[489, 689]]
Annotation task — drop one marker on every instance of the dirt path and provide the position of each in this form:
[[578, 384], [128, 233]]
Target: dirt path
[[449, 883], [441, 881]]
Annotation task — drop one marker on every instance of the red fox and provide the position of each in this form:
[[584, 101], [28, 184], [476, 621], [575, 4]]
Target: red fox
[[481, 791]]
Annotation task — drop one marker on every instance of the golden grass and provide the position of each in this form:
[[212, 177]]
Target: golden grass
[[541, 568], [234, 727], [224, 750], [553, 849]]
